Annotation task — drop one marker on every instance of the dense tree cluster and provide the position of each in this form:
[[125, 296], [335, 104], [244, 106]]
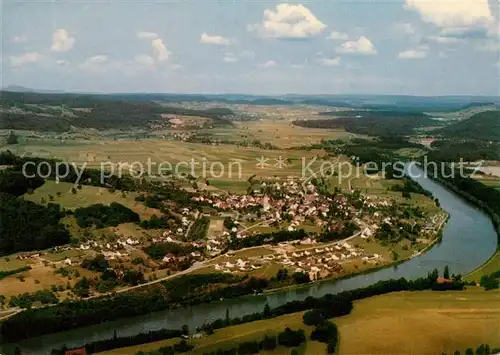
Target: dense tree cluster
[[155, 222], [199, 229], [26, 300], [159, 250], [26, 226], [326, 332], [486, 197], [483, 349], [411, 186], [124, 341], [490, 282], [452, 150], [98, 263], [373, 123], [483, 126], [101, 216], [266, 238], [16, 184]]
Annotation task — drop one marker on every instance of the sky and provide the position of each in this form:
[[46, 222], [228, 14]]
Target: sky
[[413, 47]]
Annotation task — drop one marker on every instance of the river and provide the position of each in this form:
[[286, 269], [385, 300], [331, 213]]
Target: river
[[469, 239]]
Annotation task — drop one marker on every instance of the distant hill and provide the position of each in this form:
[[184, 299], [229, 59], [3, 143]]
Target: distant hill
[[58, 112], [482, 126], [372, 123], [18, 88]]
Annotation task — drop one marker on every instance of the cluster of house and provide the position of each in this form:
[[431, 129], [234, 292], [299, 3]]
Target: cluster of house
[[111, 251], [239, 266], [321, 261]]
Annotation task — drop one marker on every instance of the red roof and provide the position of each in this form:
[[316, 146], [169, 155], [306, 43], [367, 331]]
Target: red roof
[[442, 280], [81, 351]]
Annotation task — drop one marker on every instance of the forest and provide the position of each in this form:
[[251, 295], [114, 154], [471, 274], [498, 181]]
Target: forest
[[27, 226], [483, 126], [101, 216], [372, 123]]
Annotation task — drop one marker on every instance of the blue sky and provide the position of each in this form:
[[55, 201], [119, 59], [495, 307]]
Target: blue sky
[[416, 47]]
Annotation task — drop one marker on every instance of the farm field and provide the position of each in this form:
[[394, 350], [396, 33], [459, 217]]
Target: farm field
[[123, 156], [280, 133], [424, 322], [61, 193], [489, 267]]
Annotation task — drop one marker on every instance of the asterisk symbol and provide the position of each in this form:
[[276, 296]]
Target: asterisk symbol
[[262, 162], [280, 163]]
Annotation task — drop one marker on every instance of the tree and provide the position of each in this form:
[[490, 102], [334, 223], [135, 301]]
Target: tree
[[446, 273], [82, 287], [228, 319], [185, 329], [267, 311], [313, 317], [13, 138], [269, 342]]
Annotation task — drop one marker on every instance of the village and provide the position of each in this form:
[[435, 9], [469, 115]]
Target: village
[[340, 234]]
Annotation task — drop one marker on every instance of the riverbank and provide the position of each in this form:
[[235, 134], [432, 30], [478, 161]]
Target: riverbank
[[493, 263], [495, 218], [366, 271]]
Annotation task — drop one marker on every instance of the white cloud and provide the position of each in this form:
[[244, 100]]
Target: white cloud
[[453, 13], [361, 46], [159, 48], [288, 21], [144, 61], [96, 63], [443, 54], [229, 58], [338, 36], [147, 35], [62, 41], [270, 64], [215, 40], [19, 39], [443, 39], [30, 57], [416, 53], [330, 62], [62, 62]]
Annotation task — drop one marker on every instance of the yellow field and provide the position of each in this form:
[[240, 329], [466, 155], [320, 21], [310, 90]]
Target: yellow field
[[38, 278], [10, 262], [421, 323], [238, 163], [489, 267], [88, 195]]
